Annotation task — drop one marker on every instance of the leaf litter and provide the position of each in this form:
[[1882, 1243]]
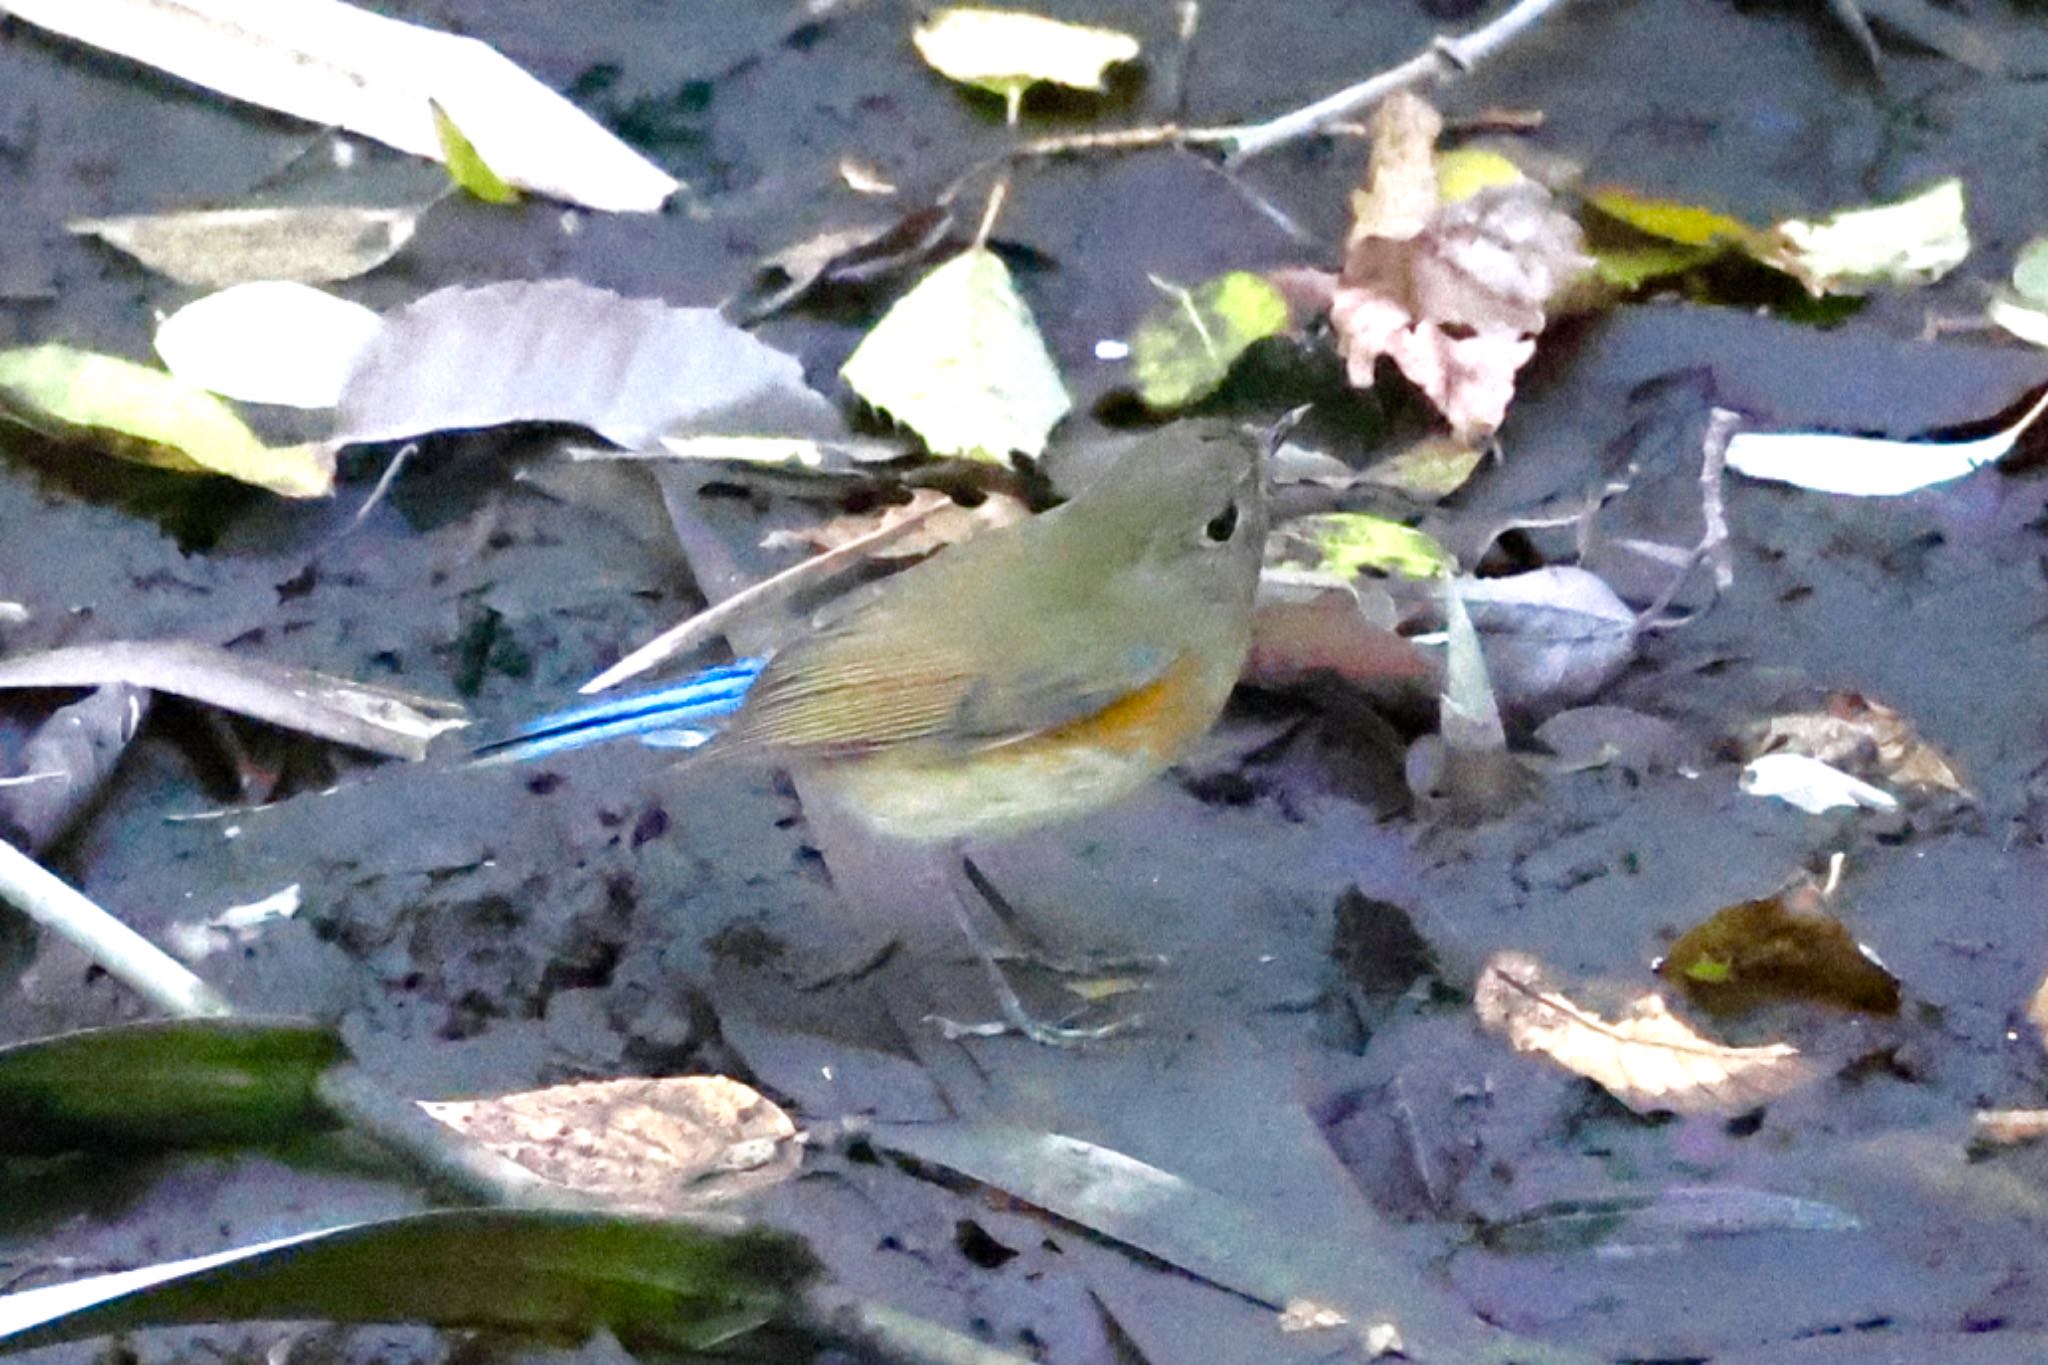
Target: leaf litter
[[1570, 637]]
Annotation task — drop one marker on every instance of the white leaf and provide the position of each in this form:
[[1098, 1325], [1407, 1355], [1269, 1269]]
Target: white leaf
[[268, 342], [1867, 466], [1811, 785], [632, 370], [1914, 241], [334, 64]]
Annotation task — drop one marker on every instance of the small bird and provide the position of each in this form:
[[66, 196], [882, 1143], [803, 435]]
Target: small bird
[[1031, 675]]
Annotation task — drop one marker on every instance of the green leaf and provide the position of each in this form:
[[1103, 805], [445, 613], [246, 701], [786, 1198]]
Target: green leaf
[[1632, 267], [655, 1284], [466, 167], [165, 1084], [1350, 542], [150, 417], [1182, 351], [959, 361]]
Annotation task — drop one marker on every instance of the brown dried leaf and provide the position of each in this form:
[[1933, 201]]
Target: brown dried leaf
[[1785, 947], [948, 525], [1453, 293], [1399, 196], [1648, 1059], [859, 254], [2037, 1011], [668, 1146], [1990, 1128], [1867, 739], [1295, 638]]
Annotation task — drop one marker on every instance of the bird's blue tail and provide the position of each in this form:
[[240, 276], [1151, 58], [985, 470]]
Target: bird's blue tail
[[680, 715]]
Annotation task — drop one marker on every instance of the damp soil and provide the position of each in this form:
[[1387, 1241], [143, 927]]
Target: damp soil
[[1308, 1047]]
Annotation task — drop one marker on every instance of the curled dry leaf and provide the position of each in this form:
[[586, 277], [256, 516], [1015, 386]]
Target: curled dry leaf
[[1554, 636], [1648, 1059], [941, 522], [668, 1146], [1453, 293], [859, 254]]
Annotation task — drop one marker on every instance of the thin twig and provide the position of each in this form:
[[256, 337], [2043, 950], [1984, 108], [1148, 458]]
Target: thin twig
[[1713, 506], [125, 954], [714, 620], [1442, 58]]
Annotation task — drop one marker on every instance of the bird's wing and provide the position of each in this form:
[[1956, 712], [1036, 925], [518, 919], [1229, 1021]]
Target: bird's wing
[[861, 687]]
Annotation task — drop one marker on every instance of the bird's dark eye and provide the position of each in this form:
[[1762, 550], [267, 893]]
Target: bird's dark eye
[[1222, 524]]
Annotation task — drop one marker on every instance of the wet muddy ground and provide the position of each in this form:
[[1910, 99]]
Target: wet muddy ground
[[607, 915]]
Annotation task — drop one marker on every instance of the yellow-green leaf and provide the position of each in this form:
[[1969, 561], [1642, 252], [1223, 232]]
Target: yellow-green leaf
[[1008, 51], [1465, 171], [1632, 267], [1434, 467], [1686, 224], [1182, 350], [959, 361], [150, 417], [466, 167], [1350, 542], [1914, 241]]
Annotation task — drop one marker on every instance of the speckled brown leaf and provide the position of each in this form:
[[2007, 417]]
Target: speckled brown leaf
[[1648, 1059], [1867, 739], [667, 1146]]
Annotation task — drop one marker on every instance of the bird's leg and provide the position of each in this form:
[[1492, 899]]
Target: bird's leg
[[1016, 1018], [1031, 948]]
